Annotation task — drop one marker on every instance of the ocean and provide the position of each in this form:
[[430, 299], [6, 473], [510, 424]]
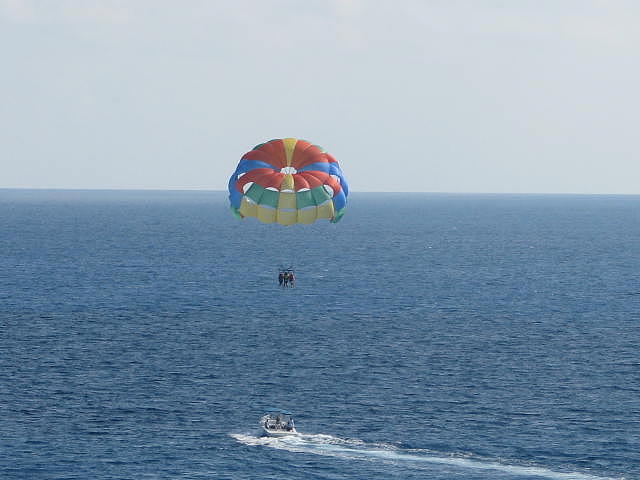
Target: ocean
[[429, 336]]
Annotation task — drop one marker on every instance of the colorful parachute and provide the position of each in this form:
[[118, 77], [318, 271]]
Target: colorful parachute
[[288, 181]]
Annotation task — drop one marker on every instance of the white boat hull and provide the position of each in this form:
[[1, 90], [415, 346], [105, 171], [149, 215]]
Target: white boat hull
[[280, 433]]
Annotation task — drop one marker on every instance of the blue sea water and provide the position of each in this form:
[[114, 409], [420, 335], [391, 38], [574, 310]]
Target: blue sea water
[[429, 337]]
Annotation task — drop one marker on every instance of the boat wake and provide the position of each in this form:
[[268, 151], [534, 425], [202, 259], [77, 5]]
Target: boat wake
[[328, 445]]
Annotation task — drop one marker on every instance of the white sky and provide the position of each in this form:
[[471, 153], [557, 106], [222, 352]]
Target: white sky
[[409, 95]]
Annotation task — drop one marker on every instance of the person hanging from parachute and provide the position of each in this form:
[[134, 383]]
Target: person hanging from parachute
[[286, 277]]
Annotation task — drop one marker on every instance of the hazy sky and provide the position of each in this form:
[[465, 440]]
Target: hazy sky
[[409, 95]]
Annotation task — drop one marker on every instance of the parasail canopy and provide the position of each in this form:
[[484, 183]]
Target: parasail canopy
[[288, 181]]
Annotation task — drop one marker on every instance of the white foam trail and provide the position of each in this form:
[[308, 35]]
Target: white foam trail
[[355, 449]]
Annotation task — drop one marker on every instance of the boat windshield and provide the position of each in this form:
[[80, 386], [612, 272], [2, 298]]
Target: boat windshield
[[278, 420]]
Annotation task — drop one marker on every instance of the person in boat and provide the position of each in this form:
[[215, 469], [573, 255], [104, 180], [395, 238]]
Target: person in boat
[[280, 278]]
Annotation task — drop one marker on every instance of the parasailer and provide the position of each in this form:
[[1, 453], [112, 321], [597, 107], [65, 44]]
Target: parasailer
[[286, 277], [288, 181]]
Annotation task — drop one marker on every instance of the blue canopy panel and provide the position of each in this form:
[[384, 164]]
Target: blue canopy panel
[[339, 201], [334, 169], [246, 165], [235, 197]]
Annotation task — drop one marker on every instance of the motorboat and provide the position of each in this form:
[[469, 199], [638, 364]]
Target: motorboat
[[278, 423]]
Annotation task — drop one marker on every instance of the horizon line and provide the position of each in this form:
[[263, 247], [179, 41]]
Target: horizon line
[[107, 189]]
